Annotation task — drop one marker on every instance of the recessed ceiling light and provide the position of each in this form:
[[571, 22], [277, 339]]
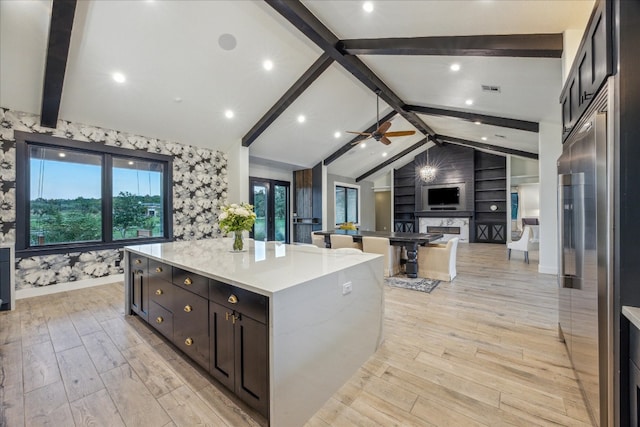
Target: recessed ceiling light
[[484, 138], [228, 114], [363, 145], [177, 99], [119, 77], [367, 6], [301, 118], [337, 135], [478, 122], [455, 67], [267, 65], [227, 41], [384, 154], [62, 155], [469, 102], [130, 162]]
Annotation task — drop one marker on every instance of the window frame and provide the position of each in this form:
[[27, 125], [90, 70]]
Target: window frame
[[335, 210], [26, 139]]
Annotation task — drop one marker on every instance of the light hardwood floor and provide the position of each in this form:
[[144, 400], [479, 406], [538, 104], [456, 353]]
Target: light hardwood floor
[[479, 351]]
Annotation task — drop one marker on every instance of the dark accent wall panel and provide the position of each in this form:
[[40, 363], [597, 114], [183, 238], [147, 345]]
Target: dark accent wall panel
[[455, 165], [307, 203]]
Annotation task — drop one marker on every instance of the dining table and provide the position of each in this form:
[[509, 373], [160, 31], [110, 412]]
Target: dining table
[[410, 241]]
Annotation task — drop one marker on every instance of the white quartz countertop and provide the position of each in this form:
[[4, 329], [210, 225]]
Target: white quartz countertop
[[265, 268], [633, 314]]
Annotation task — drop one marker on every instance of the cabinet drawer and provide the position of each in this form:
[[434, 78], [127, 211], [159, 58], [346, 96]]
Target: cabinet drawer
[[191, 325], [161, 292], [248, 303], [137, 262], [159, 270], [191, 282], [161, 319]]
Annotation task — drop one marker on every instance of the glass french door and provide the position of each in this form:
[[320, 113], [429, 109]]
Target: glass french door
[[270, 199]]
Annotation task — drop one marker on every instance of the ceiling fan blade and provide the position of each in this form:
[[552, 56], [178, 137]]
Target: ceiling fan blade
[[358, 141], [385, 140], [383, 128], [359, 133], [400, 133]]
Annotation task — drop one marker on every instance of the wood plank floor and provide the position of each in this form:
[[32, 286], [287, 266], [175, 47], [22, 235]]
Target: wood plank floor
[[479, 351]]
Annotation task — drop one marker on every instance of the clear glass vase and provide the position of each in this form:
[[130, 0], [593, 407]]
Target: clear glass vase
[[238, 244]]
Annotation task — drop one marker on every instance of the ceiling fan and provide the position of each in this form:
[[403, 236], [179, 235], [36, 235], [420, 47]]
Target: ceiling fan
[[381, 134]]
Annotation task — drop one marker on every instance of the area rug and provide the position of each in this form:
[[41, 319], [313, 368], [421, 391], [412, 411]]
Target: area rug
[[417, 284]]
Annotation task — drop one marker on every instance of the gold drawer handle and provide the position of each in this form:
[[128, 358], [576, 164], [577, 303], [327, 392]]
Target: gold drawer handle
[[158, 269], [138, 261], [233, 299], [187, 308], [159, 319], [188, 341], [159, 292], [188, 281]]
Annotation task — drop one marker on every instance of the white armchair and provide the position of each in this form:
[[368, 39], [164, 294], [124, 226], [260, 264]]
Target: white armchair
[[523, 244], [381, 245], [438, 261]]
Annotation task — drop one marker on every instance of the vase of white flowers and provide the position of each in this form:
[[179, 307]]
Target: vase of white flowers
[[237, 218]]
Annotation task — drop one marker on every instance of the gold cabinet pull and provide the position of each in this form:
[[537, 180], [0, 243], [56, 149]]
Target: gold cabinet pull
[[233, 299], [158, 269], [159, 319], [159, 292], [188, 281], [226, 315], [188, 341], [234, 318], [138, 261], [188, 308]]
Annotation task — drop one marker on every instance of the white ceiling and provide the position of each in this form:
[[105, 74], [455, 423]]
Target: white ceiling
[[169, 49]]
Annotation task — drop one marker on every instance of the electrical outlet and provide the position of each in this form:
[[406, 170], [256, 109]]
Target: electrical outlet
[[347, 288]]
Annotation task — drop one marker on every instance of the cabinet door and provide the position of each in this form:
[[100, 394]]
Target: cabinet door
[[634, 395], [191, 325], [252, 363], [600, 47], [498, 233], [221, 344], [139, 288]]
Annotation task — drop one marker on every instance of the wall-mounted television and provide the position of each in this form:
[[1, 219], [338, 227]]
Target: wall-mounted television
[[443, 197]]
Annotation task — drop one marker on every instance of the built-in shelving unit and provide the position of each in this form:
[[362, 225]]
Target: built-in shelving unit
[[404, 198], [490, 201]]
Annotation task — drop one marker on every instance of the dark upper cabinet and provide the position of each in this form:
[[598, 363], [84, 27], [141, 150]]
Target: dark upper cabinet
[[591, 67]]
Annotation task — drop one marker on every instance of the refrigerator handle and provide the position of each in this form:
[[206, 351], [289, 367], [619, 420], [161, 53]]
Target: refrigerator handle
[[565, 215]]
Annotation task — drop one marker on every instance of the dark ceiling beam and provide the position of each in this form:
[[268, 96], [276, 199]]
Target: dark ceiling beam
[[393, 159], [351, 144], [511, 45], [62, 13], [309, 76], [302, 18], [475, 117], [490, 147]]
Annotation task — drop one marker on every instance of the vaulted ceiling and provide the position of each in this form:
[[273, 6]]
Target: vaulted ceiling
[[187, 62]]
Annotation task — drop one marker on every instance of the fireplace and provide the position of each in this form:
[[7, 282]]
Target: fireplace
[[443, 230]]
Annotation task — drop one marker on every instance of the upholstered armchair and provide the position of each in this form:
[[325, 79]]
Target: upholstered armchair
[[381, 245], [523, 244], [343, 241], [438, 261]]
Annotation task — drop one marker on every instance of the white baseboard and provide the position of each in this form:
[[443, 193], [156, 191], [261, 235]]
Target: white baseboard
[[547, 269], [68, 286]]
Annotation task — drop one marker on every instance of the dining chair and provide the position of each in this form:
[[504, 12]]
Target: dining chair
[[347, 251], [438, 261], [343, 241], [381, 245], [318, 240], [523, 244]]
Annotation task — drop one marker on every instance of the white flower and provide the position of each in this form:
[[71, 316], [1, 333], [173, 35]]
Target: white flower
[[7, 205], [222, 216], [8, 165]]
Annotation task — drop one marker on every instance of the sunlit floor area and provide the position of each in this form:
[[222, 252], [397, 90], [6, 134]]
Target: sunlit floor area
[[479, 351]]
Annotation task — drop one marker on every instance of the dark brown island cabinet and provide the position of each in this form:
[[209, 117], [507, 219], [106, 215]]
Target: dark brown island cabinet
[[222, 328]]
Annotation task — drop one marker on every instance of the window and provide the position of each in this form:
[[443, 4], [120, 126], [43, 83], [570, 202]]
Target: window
[[75, 195], [347, 204]]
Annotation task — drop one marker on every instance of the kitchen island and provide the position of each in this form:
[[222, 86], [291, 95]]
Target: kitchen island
[[281, 326]]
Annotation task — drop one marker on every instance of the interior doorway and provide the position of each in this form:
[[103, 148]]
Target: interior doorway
[[270, 199], [383, 210]]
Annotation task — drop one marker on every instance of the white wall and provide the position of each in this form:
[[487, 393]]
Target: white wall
[[549, 149], [270, 172], [238, 173], [570, 44]]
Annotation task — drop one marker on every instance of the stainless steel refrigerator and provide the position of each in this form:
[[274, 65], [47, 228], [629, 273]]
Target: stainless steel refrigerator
[[585, 318]]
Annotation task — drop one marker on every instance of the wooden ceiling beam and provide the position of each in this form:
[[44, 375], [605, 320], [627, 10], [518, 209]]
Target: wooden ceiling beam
[[302, 18], [309, 76], [489, 147], [62, 14], [475, 117], [351, 144], [393, 159], [509, 45]]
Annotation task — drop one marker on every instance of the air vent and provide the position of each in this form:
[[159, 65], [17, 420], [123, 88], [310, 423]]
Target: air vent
[[492, 89], [500, 136]]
